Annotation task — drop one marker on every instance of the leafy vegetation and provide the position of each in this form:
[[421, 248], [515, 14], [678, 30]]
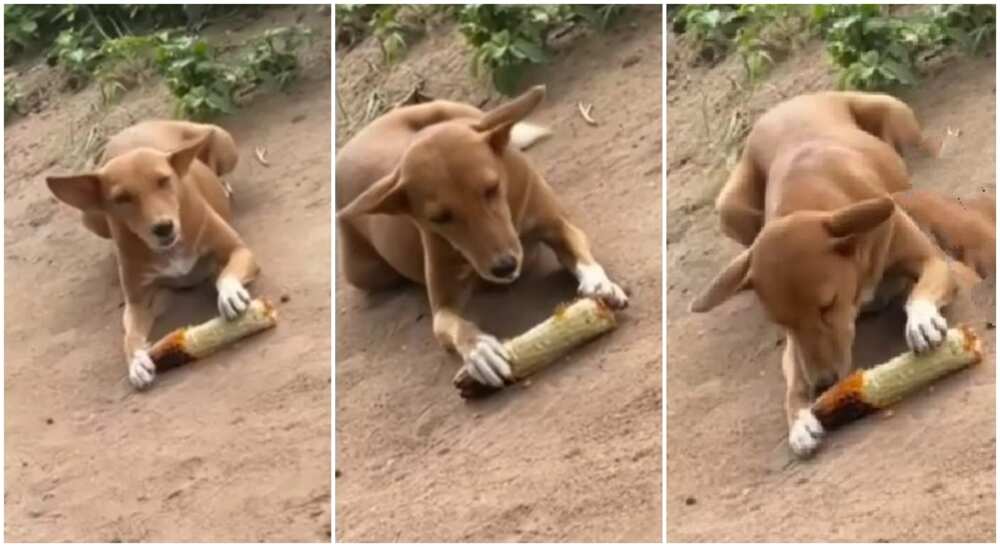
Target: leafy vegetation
[[871, 46], [506, 39], [11, 100], [98, 43]]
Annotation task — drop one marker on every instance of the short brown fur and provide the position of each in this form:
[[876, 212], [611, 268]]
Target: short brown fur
[[811, 200], [158, 196], [437, 194]]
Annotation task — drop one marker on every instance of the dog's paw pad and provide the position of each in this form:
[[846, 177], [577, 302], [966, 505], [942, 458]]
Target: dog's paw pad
[[141, 370], [234, 299], [487, 362], [594, 283], [805, 434], [925, 327]]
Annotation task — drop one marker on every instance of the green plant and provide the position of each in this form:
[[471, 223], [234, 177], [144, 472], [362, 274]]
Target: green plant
[[871, 47], [353, 22], [124, 63], [203, 86], [11, 100], [712, 27], [509, 38], [971, 27], [78, 54], [389, 32], [272, 57]]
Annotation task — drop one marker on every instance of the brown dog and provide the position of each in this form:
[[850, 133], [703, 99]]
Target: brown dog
[[810, 199], [439, 194], [159, 197]]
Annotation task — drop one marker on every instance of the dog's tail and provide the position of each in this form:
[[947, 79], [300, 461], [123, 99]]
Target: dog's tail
[[523, 135]]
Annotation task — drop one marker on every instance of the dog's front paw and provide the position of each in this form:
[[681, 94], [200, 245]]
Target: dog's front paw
[[233, 298], [925, 328], [488, 362], [594, 283], [141, 369], [805, 434]]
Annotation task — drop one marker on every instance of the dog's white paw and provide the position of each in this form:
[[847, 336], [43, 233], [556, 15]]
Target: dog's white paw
[[233, 298], [594, 283], [141, 370], [925, 328], [487, 362], [805, 434]]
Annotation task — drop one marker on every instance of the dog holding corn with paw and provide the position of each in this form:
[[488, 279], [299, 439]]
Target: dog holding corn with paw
[[158, 196], [810, 199], [441, 194]]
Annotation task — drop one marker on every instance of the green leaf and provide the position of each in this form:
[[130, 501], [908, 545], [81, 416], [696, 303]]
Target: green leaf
[[900, 72], [506, 79], [528, 50]]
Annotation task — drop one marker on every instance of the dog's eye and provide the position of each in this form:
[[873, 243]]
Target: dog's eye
[[492, 192], [162, 182], [122, 198], [443, 217]]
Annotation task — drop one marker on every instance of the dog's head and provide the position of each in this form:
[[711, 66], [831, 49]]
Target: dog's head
[[140, 189], [806, 270], [453, 182]]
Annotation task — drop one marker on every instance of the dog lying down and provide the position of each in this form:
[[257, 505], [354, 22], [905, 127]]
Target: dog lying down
[[441, 194], [811, 199], [157, 194]]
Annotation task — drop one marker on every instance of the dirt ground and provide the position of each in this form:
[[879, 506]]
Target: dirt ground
[[925, 473], [576, 454], [234, 448]]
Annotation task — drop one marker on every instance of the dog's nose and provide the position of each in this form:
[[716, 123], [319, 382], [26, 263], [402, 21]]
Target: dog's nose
[[504, 267], [163, 228]]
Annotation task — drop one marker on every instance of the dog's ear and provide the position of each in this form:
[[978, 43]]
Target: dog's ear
[[847, 224], [498, 137], [80, 191], [384, 197], [512, 112], [735, 278], [181, 158]]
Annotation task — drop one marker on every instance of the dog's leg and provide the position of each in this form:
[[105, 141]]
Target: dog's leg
[[740, 204], [141, 310], [573, 250], [448, 290], [804, 430], [934, 288], [362, 265], [238, 266], [893, 121]]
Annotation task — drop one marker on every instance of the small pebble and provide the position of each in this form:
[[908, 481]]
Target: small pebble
[[336, 474], [690, 501], [285, 298], [49, 421]]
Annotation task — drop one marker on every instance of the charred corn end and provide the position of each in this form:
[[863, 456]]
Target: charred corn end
[[868, 391], [195, 342], [533, 350]]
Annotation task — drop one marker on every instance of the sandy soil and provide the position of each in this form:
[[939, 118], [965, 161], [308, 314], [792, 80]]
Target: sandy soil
[[235, 448], [924, 474], [575, 456]]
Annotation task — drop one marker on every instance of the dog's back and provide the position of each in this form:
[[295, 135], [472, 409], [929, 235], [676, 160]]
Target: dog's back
[[219, 153], [825, 150]]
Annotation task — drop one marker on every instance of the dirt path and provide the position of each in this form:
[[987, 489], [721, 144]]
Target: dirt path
[[575, 456], [924, 474], [235, 448]]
